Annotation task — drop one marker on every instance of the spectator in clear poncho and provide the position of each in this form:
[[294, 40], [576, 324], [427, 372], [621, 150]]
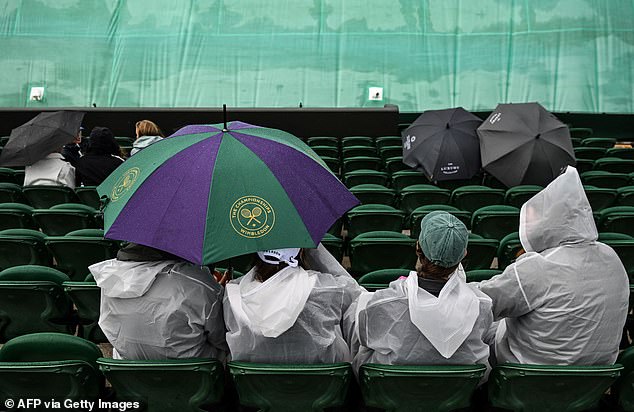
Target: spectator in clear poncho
[[565, 301], [280, 312], [431, 317]]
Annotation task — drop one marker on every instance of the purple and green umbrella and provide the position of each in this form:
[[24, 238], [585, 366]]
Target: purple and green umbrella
[[207, 194]]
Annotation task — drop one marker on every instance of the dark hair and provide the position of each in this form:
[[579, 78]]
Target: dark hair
[[264, 270], [426, 269], [102, 142]]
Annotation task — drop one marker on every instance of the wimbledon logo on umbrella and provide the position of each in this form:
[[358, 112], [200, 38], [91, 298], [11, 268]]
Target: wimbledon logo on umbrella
[[125, 182], [252, 217]]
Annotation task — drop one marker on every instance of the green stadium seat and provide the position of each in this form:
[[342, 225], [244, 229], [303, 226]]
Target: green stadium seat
[[374, 194], [88, 195], [576, 141], [495, 222], [479, 275], [405, 178], [619, 219], [614, 165], [23, 247], [166, 385], [7, 175], [369, 217], [334, 245], [480, 253], [16, 216], [364, 177], [98, 233], [87, 298], [398, 388], [415, 196], [332, 163], [473, 197], [357, 141], [510, 247], [384, 141], [63, 218], [327, 151], [387, 152], [590, 153], [50, 365], [584, 165], [381, 250], [420, 212], [601, 178], [625, 196], [623, 388], [598, 142], [600, 197], [33, 300], [291, 387], [581, 132], [381, 279], [358, 151], [395, 164], [621, 153], [540, 388], [623, 245], [43, 197], [11, 193], [518, 195], [323, 141], [361, 162], [73, 254]]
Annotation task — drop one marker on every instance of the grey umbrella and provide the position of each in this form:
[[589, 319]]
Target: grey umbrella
[[44, 134], [524, 144]]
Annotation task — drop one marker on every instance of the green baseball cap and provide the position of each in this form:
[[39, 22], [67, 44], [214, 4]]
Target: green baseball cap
[[443, 238]]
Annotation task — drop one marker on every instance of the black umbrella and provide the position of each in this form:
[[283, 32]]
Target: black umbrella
[[443, 144], [524, 144], [44, 134]]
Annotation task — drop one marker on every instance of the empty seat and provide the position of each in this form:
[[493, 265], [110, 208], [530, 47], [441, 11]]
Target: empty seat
[[415, 196], [397, 388], [7, 175], [323, 141], [518, 195], [390, 151], [334, 245], [332, 163], [619, 219], [495, 222], [479, 275], [50, 365], [395, 164], [43, 197], [291, 387], [16, 216], [11, 193], [584, 165], [621, 152], [480, 252], [328, 151], [614, 165], [374, 194], [625, 196], [63, 218], [87, 298], [373, 217], [381, 250], [23, 247], [388, 141], [381, 279], [73, 254], [357, 141], [361, 162], [604, 142], [600, 197], [601, 178], [509, 250], [420, 212], [590, 153], [581, 132], [405, 178], [365, 176], [474, 181], [358, 151], [166, 385], [473, 197], [33, 300], [88, 195], [541, 388]]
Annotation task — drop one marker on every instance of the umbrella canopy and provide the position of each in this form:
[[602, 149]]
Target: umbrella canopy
[[44, 134], [207, 194], [443, 144], [524, 144]]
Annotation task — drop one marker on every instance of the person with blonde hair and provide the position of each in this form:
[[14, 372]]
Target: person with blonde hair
[[147, 133]]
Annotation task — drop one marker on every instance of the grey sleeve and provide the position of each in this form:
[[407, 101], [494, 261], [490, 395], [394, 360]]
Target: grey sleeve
[[507, 293]]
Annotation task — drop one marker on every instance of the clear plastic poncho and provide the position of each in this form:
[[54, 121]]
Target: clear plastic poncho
[[294, 316], [565, 301], [406, 325], [160, 309]]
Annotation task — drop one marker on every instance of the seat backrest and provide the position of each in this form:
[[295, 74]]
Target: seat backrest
[[43, 197], [600, 197], [533, 388], [33, 273], [518, 195], [508, 250], [98, 233], [291, 387], [87, 299], [88, 195], [74, 254], [11, 192], [379, 279], [23, 247], [419, 388], [480, 253], [49, 346], [473, 197], [78, 207], [479, 275]]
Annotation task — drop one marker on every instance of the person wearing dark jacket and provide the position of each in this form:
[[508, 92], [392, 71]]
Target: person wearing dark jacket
[[101, 158]]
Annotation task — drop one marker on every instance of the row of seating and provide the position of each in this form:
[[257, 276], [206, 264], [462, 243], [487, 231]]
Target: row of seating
[[50, 365], [45, 197], [56, 221]]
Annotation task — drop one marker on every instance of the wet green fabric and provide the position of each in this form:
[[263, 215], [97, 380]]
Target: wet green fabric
[[570, 55]]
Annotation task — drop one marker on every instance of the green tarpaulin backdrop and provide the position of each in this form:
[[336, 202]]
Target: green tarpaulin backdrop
[[570, 55]]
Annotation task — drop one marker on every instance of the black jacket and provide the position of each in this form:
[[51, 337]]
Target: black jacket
[[91, 169]]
